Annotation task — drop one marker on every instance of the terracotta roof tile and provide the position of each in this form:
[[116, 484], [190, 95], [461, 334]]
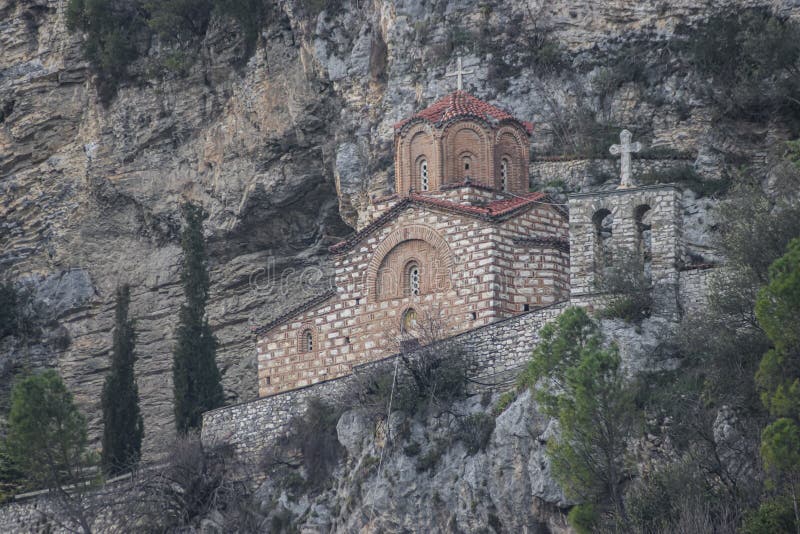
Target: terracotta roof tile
[[490, 211], [463, 104]]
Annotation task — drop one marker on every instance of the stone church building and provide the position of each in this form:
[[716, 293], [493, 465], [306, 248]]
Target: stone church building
[[462, 239]]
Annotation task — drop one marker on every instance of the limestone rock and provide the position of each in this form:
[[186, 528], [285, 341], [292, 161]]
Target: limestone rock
[[268, 146], [382, 486]]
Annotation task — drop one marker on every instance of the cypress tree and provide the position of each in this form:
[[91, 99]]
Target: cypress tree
[[196, 377], [122, 421]]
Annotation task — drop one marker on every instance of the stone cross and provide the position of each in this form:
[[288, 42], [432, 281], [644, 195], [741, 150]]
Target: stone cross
[[459, 72], [625, 148]]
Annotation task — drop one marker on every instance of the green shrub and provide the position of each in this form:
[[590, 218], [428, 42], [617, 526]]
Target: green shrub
[[310, 442], [118, 32], [688, 178], [752, 56], [583, 518], [412, 449], [112, 29], [12, 480], [655, 502], [618, 73], [432, 377], [428, 461], [46, 431], [593, 404], [250, 14], [775, 516], [545, 53], [505, 400], [627, 287], [178, 20], [475, 431]]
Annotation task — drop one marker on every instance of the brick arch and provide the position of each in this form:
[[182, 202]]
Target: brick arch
[[307, 329], [455, 144], [509, 142], [418, 140], [520, 137], [409, 233]]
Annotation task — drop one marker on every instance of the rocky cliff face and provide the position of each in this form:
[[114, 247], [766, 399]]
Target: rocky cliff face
[[284, 151], [413, 474]]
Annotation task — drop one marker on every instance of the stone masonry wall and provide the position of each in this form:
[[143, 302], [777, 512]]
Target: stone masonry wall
[[646, 221], [693, 290], [579, 174], [495, 351]]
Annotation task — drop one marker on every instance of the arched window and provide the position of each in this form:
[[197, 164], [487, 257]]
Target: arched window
[[423, 175], [408, 331], [413, 279], [642, 215], [306, 340], [466, 162], [504, 174], [408, 320], [603, 221]]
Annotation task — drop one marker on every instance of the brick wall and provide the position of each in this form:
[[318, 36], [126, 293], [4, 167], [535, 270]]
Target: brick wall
[[447, 149], [472, 270]]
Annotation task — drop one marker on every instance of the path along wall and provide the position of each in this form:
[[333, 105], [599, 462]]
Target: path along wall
[[495, 352]]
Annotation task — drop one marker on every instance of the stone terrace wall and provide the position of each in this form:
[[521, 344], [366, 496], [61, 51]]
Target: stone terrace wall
[[496, 352], [581, 173]]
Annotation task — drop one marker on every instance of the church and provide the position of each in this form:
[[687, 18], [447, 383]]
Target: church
[[462, 237]]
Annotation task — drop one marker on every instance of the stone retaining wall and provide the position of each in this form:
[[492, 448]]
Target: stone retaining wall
[[495, 351], [581, 173], [693, 289]]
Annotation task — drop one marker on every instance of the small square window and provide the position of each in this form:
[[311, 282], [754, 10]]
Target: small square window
[[526, 307], [473, 315]]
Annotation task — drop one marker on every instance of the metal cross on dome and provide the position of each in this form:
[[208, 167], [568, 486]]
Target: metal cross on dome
[[625, 149], [459, 72]]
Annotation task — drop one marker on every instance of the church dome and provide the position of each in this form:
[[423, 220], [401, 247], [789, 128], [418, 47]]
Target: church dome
[[461, 138], [460, 104]]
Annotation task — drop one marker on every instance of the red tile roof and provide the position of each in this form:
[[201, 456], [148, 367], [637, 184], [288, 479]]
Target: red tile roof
[[496, 208], [463, 104], [491, 211]]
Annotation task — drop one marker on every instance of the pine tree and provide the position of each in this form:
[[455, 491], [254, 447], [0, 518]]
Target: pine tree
[[196, 377], [46, 441], [122, 421], [46, 433], [576, 377], [778, 377]]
